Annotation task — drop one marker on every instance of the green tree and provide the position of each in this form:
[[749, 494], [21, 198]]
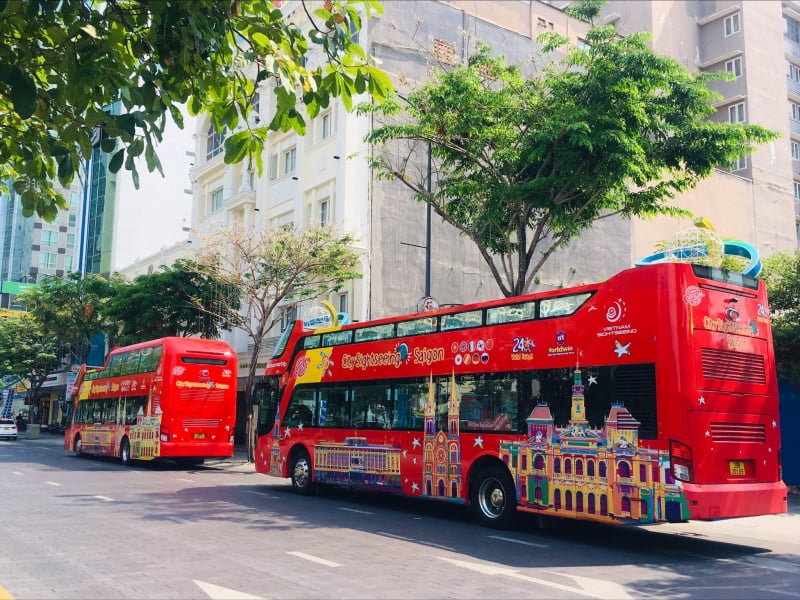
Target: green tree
[[71, 311], [270, 268], [523, 165], [28, 351], [782, 275], [164, 304], [63, 63]]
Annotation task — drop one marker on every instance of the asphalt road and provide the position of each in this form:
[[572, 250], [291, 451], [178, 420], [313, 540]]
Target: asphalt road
[[91, 528]]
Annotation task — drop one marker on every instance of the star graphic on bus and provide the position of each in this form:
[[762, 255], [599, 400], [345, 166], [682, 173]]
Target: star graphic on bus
[[300, 426], [478, 442], [415, 442], [592, 379], [405, 453], [622, 349], [414, 487], [701, 401], [287, 432]]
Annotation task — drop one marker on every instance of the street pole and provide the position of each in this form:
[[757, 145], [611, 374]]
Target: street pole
[[428, 231]]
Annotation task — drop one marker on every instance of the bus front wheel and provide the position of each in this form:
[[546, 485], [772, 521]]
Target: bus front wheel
[[493, 498], [77, 446], [300, 472], [125, 452]]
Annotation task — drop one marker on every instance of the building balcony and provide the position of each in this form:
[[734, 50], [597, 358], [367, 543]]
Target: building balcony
[[794, 127], [242, 199], [793, 87], [791, 48]]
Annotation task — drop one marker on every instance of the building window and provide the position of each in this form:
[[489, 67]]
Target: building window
[[734, 66], [797, 190], [289, 161], [792, 72], [68, 262], [214, 142], [70, 240], [732, 24], [327, 125], [73, 199], [791, 29], [736, 113], [794, 111], [288, 316], [343, 302], [216, 200], [323, 213], [273, 166], [49, 238], [72, 219], [740, 164], [795, 151], [47, 260]]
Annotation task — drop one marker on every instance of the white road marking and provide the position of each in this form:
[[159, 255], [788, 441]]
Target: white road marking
[[52, 483], [16, 473], [322, 561], [217, 592], [397, 537], [355, 510], [265, 494], [597, 588], [178, 520], [186, 480], [104, 498], [513, 541]]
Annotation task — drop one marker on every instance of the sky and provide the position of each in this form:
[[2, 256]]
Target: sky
[[152, 217]]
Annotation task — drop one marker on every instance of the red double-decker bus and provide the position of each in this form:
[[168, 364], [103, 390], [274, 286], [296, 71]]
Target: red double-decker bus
[[649, 397], [173, 398]]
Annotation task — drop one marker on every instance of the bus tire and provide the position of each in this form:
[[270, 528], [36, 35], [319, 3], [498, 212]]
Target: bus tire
[[77, 446], [300, 472], [493, 498], [125, 451]]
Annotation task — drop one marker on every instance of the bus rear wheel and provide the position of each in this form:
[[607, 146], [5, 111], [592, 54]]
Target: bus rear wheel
[[125, 452], [300, 472], [493, 498]]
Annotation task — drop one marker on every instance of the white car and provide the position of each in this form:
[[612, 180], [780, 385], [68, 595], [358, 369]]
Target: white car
[[8, 429]]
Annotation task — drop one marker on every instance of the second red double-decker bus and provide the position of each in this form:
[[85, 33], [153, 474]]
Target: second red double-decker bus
[[173, 398], [649, 397]]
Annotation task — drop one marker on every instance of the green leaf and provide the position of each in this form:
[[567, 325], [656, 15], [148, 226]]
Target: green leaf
[[115, 164], [236, 146], [23, 93]]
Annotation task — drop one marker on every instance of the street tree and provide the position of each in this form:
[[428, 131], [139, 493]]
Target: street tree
[[165, 303], [270, 268], [71, 311], [74, 73], [28, 352], [521, 165], [781, 273]]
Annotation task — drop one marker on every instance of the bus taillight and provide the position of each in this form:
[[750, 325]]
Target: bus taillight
[[164, 437], [680, 458]]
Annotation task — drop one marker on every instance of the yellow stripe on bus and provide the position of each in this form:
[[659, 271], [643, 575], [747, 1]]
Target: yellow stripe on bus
[[4, 595]]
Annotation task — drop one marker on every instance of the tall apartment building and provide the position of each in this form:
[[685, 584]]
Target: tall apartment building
[[325, 176], [33, 248], [758, 200]]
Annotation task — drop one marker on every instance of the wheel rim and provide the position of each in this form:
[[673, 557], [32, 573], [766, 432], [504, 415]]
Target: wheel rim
[[125, 452], [78, 446], [300, 473], [491, 498]]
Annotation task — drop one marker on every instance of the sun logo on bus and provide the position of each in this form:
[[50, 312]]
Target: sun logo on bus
[[326, 364]]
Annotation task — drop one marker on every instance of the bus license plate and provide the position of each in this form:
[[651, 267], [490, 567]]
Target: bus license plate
[[736, 467], [201, 436]]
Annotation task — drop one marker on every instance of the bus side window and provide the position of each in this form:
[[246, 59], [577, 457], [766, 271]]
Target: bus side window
[[302, 408], [334, 408]]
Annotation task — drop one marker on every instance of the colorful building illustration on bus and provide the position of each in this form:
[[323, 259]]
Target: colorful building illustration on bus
[[442, 450], [602, 474], [354, 462]]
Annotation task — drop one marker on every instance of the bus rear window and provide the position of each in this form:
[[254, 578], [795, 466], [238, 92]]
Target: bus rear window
[[725, 276], [202, 360]]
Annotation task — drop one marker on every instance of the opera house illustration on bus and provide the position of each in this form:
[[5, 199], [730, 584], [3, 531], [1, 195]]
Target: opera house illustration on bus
[[599, 474]]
